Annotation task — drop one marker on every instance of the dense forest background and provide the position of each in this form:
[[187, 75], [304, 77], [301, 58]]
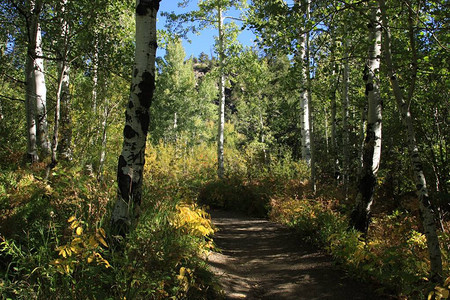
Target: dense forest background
[[335, 123]]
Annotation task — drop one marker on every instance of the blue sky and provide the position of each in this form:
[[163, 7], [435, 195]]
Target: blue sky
[[204, 42]]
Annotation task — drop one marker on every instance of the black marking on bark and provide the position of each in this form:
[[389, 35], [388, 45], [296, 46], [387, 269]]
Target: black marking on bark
[[145, 5], [393, 78], [366, 73], [136, 71], [130, 104], [129, 132], [141, 9], [123, 180], [369, 88], [144, 118], [367, 186], [127, 117], [153, 44], [147, 86], [360, 220]]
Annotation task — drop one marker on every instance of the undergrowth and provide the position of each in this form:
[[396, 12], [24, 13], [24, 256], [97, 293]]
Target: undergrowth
[[54, 235], [392, 257], [54, 229]]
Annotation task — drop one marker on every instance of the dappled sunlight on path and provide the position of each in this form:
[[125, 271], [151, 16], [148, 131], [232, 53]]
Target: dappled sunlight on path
[[264, 260]]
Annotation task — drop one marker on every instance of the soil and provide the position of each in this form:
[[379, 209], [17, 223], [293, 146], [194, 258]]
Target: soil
[[259, 259]]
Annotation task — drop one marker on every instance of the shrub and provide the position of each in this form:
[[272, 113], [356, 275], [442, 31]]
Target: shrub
[[393, 254]]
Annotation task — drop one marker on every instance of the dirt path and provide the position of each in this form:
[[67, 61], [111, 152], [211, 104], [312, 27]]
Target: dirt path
[[263, 260]]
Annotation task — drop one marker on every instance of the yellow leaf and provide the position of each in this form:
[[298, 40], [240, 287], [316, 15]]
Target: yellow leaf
[[71, 219], [79, 230], [74, 224], [76, 241], [102, 232], [447, 282], [443, 293], [90, 259], [63, 252], [92, 242], [74, 249], [102, 241]]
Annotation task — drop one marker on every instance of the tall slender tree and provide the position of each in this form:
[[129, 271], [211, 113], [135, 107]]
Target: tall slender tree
[[40, 91], [33, 42], [345, 117], [61, 138], [403, 105], [211, 13], [132, 159], [360, 217]]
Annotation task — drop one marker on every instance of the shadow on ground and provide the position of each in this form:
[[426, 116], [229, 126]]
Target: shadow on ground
[[264, 260]]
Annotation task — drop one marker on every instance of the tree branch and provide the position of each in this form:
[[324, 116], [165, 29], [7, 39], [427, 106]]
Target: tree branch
[[11, 98]]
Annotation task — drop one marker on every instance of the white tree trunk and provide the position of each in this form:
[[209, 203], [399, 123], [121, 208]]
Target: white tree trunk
[[30, 109], [221, 127], [305, 95], [310, 106], [304, 103], [65, 145], [360, 217], [1, 111], [41, 96], [345, 119], [95, 76], [262, 136], [132, 159], [361, 140], [104, 141], [62, 119], [30, 92], [426, 208], [333, 142]]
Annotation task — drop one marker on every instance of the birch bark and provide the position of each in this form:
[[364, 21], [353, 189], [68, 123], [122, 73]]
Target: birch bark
[[360, 217], [333, 143], [62, 93], [41, 96], [426, 208], [345, 118], [30, 91], [132, 159], [104, 141], [220, 136], [310, 106], [304, 94]]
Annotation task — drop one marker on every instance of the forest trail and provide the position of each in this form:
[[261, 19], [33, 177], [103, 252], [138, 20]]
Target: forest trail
[[263, 260]]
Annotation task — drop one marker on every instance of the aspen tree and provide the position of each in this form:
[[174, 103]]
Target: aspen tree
[[403, 105], [34, 8], [40, 91], [132, 159], [360, 217], [221, 123], [61, 142]]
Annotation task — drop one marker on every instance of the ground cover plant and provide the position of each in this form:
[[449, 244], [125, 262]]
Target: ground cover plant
[[392, 257], [55, 234], [55, 239]]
